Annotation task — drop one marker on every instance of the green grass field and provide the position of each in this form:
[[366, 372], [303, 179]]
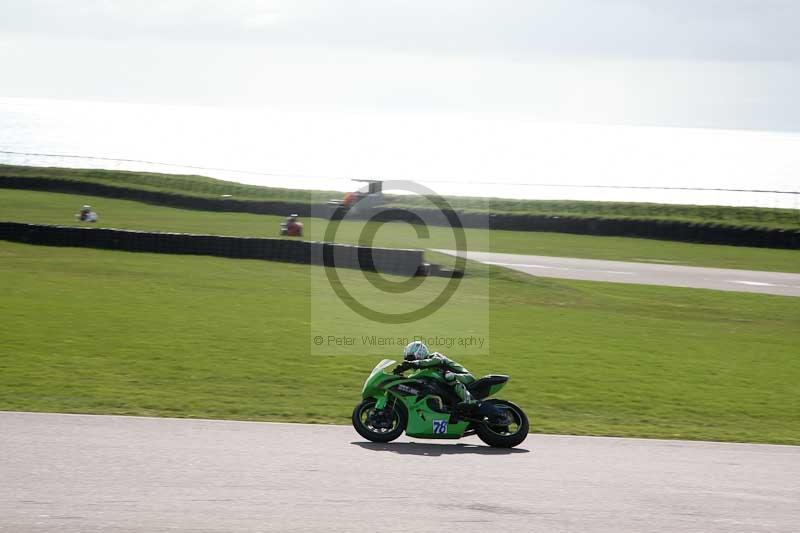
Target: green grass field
[[95, 331], [56, 208], [210, 187]]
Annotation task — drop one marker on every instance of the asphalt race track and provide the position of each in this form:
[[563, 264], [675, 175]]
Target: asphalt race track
[[644, 273], [82, 473]]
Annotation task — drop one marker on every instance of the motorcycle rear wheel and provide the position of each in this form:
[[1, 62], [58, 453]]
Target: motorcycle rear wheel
[[362, 423], [504, 436]]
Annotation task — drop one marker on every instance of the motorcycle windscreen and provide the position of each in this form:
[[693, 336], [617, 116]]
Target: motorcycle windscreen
[[379, 368]]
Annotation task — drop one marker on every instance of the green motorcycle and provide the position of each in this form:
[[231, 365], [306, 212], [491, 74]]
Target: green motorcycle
[[422, 405]]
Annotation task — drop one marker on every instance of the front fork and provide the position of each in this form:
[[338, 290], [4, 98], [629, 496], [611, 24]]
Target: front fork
[[381, 402], [380, 417]]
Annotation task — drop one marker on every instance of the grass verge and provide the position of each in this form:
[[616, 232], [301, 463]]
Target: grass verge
[[94, 331]]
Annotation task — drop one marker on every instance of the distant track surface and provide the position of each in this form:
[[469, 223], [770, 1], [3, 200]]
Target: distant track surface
[[78, 473], [721, 279]]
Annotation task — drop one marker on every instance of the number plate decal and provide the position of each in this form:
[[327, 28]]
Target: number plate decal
[[439, 427]]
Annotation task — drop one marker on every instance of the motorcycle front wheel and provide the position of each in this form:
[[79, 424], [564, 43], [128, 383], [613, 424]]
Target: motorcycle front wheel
[[383, 425], [507, 434]]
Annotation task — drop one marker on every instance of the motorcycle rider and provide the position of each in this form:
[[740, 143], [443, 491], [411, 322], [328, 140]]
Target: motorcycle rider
[[292, 226], [86, 214], [416, 355]]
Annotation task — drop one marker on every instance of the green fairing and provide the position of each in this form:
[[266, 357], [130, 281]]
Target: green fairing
[[423, 422]]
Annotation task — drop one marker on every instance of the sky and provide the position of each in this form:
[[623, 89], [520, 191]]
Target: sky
[[626, 92], [688, 63]]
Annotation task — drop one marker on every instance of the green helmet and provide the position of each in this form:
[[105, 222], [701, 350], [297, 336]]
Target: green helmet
[[415, 350]]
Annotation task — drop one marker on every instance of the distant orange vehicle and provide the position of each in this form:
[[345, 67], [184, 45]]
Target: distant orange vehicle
[[351, 198], [363, 200]]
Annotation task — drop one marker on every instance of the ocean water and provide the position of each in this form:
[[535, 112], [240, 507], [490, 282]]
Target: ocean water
[[454, 154]]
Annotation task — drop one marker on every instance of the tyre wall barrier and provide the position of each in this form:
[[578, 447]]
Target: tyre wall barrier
[[672, 230], [260, 207], [383, 260]]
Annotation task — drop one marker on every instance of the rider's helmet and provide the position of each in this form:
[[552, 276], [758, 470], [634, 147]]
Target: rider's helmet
[[86, 208], [415, 350], [293, 217]]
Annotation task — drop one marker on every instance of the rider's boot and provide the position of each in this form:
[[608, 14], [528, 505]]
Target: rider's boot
[[468, 405]]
